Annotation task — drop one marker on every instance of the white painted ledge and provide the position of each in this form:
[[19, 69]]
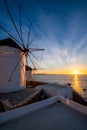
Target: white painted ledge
[[12, 114], [74, 105]]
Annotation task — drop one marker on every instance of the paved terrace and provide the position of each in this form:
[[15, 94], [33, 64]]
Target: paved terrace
[[53, 117]]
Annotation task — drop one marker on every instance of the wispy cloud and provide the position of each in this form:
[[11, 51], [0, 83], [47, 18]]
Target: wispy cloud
[[71, 50]]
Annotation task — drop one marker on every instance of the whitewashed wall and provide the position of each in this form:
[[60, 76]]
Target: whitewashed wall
[[7, 65], [51, 90], [66, 92]]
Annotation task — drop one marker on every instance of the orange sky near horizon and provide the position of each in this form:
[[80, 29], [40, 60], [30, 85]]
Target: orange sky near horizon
[[73, 71]]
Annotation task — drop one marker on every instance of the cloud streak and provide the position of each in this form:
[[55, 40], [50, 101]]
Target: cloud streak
[[70, 51]]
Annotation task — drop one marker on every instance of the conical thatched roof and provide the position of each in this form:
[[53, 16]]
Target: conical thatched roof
[[9, 42]]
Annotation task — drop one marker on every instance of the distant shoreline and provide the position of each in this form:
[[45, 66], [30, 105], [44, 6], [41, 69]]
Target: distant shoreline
[[59, 74]]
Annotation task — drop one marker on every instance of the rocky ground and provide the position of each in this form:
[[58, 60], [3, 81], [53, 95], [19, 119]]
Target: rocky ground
[[8, 100], [18, 96]]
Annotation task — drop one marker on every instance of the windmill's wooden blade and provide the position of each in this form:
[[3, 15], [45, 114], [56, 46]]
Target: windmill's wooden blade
[[35, 49], [21, 25], [11, 17], [29, 35], [33, 55], [31, 60], [9, 34], [15, 67], [31, 42]]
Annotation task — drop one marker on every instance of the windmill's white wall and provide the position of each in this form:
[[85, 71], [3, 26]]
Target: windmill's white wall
[[7, 65], [29, 75]]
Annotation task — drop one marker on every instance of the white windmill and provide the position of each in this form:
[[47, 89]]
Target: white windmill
[[13, 57], [29, 75]]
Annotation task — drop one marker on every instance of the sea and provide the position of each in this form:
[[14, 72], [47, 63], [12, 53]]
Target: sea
[[78, 82]]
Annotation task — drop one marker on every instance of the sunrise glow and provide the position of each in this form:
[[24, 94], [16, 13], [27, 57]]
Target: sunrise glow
[[68, 71], [76, 72]]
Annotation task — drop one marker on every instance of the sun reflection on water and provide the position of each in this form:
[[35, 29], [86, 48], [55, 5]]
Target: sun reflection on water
[[77, 84]]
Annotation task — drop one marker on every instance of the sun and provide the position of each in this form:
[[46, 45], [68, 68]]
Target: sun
[[75, 72]]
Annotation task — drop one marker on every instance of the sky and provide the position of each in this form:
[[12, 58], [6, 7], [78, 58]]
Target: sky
[[59, 26]]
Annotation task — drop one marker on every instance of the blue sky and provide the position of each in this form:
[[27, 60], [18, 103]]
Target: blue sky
[[59, 26]]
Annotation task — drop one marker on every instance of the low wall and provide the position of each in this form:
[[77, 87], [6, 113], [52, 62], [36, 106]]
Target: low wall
[[18, 112], [12, 114], [74, 105], [53, 89], [70, 103]]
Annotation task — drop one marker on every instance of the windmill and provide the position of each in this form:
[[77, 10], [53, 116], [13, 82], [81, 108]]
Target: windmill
[[15, 75]]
